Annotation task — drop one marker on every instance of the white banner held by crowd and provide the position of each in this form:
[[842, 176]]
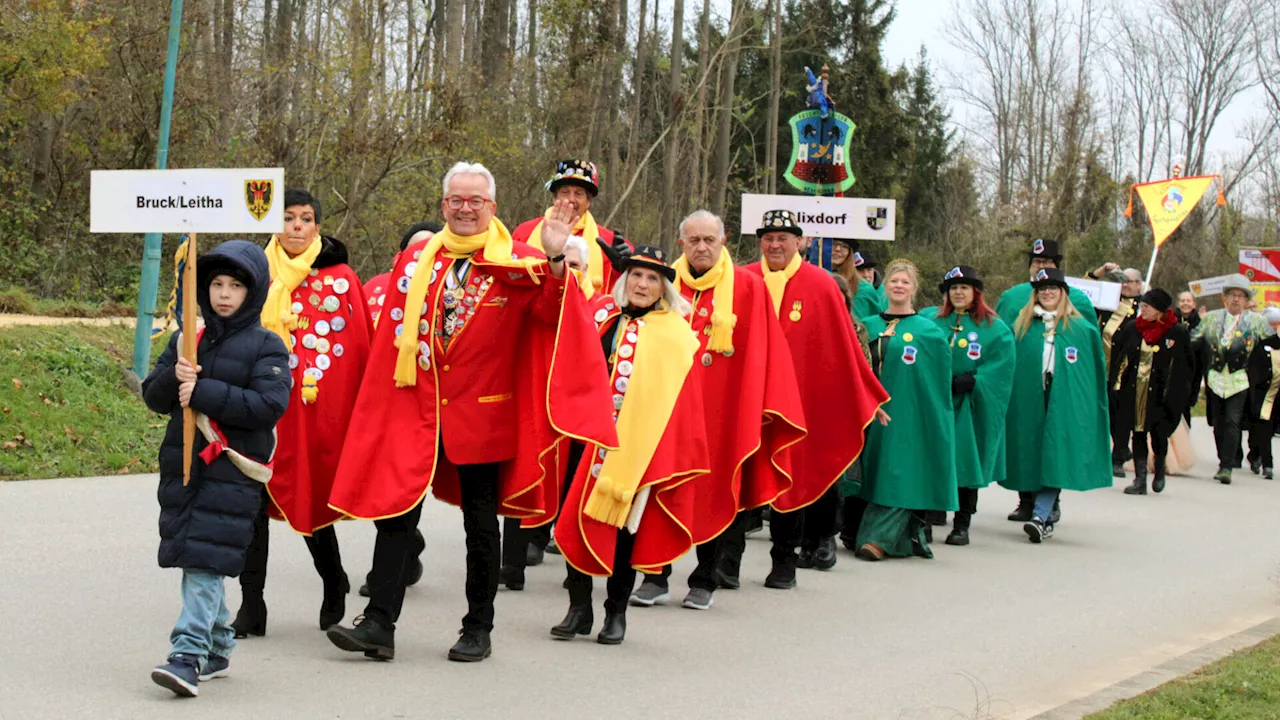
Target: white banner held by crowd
[[1103, 295], [1208, 286], [240, 200], [848, 218]]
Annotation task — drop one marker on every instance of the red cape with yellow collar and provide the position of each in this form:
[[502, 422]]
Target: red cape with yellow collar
[[755, 414], [524, 231], [838, 391], [375, 290], [522, 374], [677, 467], [332, 347]]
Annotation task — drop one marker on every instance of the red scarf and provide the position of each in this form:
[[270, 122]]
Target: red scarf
[[1153, 332]]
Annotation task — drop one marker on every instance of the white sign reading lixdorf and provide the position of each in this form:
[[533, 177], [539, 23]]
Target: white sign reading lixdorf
[[849, 218], [241, 200]]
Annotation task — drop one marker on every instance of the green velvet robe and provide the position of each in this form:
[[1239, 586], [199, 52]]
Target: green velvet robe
[[868, 300], [1068, 444], [1015, 298]]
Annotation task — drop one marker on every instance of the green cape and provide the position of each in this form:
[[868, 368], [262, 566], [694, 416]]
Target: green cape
[[1069, 445], [1015, 298], [909, 463], [980, 414], [868, 300]]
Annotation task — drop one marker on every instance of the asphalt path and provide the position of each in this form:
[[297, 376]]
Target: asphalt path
[[1001, 628]]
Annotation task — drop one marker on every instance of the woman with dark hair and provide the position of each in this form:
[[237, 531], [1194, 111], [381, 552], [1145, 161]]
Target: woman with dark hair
[[899, 483], [1057, 430], [982, 359]]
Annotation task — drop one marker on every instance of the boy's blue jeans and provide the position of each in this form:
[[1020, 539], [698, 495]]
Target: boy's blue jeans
[[204, 627], [1044, 503]]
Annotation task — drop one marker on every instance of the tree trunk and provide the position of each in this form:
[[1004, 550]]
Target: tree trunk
[[775, 95], [453, 44], [698, 146], [671, 206], [724, 131]]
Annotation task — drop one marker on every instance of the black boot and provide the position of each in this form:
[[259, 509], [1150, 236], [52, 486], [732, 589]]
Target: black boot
[[252, 616], [1026, 504], [334, 606], [1117, 470], [369, 636], [512, 577], [533, 555], [473, 646], [783, 574], [1139, 486], [577, 622], [804, 559], [1157, 480], [615, 627]]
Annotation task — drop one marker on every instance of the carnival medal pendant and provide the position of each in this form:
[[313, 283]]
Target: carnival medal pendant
[[795, 312]]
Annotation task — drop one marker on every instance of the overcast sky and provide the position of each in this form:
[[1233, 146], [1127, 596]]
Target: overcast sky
[[922, 22]]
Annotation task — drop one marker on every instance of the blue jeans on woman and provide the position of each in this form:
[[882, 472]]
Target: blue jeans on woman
[[204, 627], [1045, 498]]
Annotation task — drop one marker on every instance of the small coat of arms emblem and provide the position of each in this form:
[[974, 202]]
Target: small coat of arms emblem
[[258, 195], [877, 217], [1072, 355]]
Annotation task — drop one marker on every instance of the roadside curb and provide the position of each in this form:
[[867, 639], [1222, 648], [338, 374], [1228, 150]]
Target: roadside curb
[[1162, 673]]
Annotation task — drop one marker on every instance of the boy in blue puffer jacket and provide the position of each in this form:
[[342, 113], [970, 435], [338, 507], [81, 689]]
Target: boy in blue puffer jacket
[[238, 389]]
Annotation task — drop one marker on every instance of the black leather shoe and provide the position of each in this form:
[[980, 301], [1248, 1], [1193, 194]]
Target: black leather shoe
[[577, 622], [1256, 466], [1137, 487], [1021, 514], [364, 589], [727, 581], [552, 547], [473, 646], [804, 559], [512, 577], [334, 606], [614, 630], [415, 573], [850, 543], [369, 636], [958, 537], [533, 555], [824, 558], [1117, 470], [251, 619]]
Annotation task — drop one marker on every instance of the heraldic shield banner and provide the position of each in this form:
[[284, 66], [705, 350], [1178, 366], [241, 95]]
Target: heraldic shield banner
[[820, 153]]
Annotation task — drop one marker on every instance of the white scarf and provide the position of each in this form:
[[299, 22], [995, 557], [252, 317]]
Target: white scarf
[[1050, 318]]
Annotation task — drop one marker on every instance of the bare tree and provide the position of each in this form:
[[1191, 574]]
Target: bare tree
[[670, 211]]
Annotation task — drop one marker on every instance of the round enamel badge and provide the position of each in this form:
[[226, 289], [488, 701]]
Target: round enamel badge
[[322, 362], [338, 324], [341, 286]]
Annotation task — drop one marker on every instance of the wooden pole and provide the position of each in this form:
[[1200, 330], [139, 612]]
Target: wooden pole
[[189, 342], [1151, 267]]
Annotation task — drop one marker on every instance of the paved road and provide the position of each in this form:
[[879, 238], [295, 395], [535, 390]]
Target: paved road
[[1001, 628]]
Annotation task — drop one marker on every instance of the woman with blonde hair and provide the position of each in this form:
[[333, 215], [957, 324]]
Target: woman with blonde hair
[[1057, 430], [911, 357]]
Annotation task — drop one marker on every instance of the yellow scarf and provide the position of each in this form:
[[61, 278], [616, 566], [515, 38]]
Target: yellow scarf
[[719, 277], [586, 287], [287, 273], [587, 228], [496, 244], [776, 282], [664, 354]]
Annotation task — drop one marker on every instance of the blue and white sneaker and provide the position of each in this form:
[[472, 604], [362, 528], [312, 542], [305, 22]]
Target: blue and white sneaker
[[1036, 530], [215, 667], [181, 675]]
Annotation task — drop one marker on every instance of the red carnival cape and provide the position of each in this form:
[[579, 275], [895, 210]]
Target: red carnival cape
[[331, 348], [839, 392], [375, 293], [678, 465], [524, 231], [523, 373], [755, 413]]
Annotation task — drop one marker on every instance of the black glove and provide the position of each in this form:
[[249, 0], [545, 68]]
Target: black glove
[[963, 383], [618, 253]]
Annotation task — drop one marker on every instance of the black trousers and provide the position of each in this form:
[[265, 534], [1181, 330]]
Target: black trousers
[[394, 546], [968, 506], [1119, 438], [517, 539], [821, 520], [783, 527], [619, 584], [1228, 417], [1260, 432], [323, 545], [1159, 447], [704, 575]]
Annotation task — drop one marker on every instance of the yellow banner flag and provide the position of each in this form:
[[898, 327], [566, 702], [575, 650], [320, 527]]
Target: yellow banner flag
[[1169, 202]]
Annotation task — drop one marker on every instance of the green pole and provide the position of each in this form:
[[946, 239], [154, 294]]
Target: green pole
[[149, 284]]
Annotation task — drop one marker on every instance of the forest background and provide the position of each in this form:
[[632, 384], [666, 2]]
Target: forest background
[[683, 104]]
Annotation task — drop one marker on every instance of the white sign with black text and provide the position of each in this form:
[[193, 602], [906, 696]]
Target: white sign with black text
[[204, 200], [1103, 295], [829, 217]]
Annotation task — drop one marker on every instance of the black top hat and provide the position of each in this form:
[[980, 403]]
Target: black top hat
[[961, 275], [779, 221], [576, 172], [1045, 249], [653, 258], [1158, 299], [863, 261], [1048, 277]]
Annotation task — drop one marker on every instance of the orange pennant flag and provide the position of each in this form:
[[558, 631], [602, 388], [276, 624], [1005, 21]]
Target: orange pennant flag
[[1169, 202]]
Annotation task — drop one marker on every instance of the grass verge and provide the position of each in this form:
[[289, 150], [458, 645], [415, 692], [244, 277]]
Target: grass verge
[[20, 302], [65, 410], [1242, 686]]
